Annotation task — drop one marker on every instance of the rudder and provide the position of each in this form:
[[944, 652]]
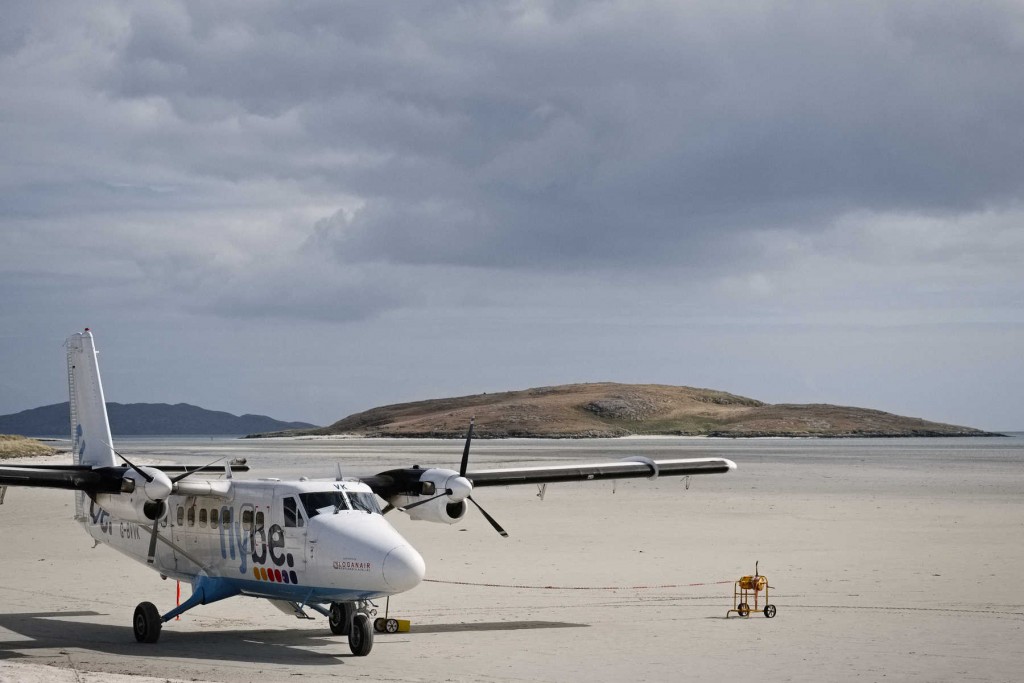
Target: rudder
[[90, 428]]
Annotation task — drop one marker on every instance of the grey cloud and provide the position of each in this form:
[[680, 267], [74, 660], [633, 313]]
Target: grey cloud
[[537, 136], [306, 288]]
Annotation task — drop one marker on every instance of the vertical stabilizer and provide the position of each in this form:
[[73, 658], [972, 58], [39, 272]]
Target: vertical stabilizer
[[90, 430]]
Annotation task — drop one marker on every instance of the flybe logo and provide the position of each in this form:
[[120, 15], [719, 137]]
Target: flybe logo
[[263, 546], [269, 545]]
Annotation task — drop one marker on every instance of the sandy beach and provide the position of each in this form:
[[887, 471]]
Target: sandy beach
[[891, 560]]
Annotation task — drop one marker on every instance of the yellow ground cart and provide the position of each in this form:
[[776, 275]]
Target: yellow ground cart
[[386, 624], [746, 596]]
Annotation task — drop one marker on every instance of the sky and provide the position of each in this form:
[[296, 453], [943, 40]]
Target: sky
[[310, 209]]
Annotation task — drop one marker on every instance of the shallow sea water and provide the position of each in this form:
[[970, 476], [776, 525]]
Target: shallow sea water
[[358, 456]]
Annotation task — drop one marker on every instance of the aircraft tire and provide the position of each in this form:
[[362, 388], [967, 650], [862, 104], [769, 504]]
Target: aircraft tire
[[360, 638], [147, 623], [338, 619]]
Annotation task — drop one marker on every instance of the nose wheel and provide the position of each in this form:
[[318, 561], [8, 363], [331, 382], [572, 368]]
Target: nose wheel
[[360, 637], [339, 618], [350, 619]]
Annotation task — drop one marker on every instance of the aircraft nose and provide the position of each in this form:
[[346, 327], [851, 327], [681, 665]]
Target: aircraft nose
[[403, 568]]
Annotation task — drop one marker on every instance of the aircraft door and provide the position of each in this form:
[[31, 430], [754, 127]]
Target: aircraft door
[[288, 551]]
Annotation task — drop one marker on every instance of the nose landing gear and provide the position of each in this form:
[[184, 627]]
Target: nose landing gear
[[352, 619]]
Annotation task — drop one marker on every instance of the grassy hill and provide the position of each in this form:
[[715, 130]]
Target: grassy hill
[[14, 446], [610, 410]]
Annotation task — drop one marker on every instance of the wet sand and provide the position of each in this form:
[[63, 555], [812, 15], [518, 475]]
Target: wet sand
[[889, 560]]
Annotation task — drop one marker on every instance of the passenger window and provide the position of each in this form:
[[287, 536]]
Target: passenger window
[[214, 518], [247, 520], [192, 516], [202, 517], [181, 516], [259, 521]]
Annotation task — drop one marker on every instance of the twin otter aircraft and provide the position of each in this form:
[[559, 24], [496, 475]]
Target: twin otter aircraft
[[321, 545]]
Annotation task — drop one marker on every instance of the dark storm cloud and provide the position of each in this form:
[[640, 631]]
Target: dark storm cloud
[[554, 134], [215, 149]]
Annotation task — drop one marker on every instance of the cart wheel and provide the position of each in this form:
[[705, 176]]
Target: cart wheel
[[378, 624], [769, 611], [391, 626], [743, 609]]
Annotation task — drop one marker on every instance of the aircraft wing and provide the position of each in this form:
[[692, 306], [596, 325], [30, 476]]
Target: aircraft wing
[[412, 490], [99, 479], [410, 481], [74, 477], [621, 469]]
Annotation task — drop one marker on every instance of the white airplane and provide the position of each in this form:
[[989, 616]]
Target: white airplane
[[321, 545]]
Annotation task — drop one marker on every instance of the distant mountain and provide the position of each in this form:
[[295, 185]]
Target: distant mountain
[[145, 419], [609, 409]]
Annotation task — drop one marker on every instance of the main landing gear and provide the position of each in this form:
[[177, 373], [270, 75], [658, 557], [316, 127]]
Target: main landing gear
[[352, 619], [147, 623]]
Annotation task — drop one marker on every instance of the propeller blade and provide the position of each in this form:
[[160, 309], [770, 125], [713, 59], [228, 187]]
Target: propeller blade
[[424, 502], [465, 451], [147, 477], [387, 508], [152, 542], [178, 478], [497, 527]]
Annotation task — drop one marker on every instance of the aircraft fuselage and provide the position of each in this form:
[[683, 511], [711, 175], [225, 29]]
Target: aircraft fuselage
[[303, 541]]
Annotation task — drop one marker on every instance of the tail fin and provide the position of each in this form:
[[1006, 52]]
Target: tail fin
[[90, 429]]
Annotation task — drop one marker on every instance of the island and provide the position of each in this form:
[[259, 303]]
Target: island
[[608, 409]]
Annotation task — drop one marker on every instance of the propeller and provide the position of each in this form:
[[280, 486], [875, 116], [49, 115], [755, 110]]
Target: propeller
[[151, 556], [457, 487], [462, 473], [158, 487]]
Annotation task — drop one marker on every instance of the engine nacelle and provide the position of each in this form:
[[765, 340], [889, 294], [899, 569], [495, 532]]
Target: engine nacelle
[[446, 509], [140, 500], [131, 507], [441, 510]]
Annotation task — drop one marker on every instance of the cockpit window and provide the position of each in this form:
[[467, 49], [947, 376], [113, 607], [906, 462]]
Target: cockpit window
[[323, 502], [291, 513], [363, 501], [329, 502]]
